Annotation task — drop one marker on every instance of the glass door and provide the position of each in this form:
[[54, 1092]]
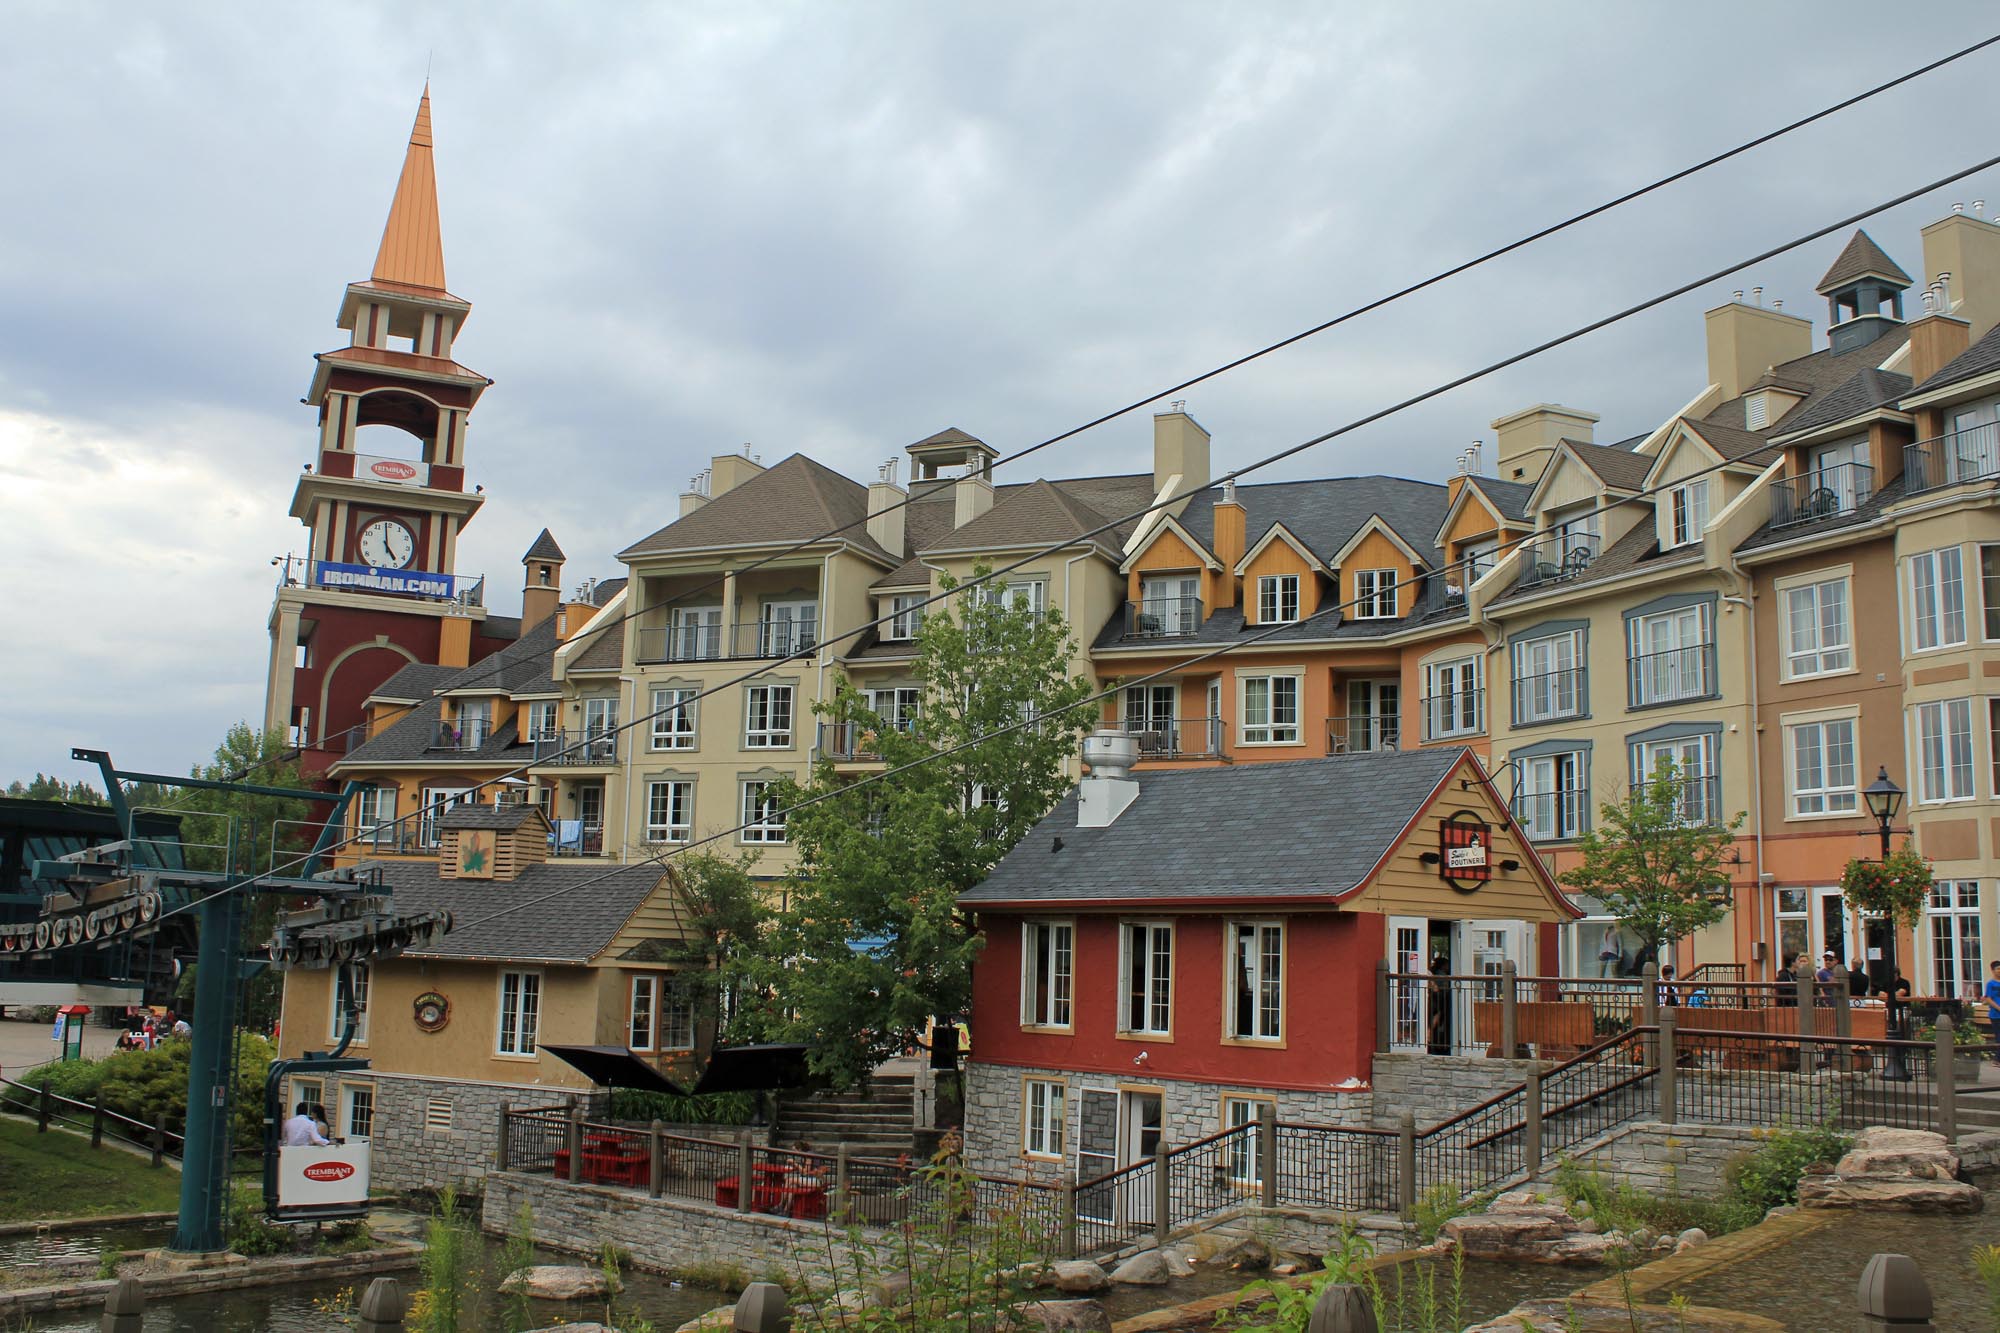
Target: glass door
[[1409, 999], [1831, 928], [1371, 716], [1149, 715]]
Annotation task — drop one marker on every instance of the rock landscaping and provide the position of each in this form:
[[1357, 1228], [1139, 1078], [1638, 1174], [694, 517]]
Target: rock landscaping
[[1525, 1227], [561, 1282], [1903, 1170]]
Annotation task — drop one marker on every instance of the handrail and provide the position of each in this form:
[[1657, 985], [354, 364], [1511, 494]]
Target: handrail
[[89, 1112]]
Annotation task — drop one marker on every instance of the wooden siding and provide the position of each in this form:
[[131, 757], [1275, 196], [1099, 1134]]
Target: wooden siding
[[1279, 557], [1168, 553], [663, 916], [512, 851], [1571, 483], [1376, 551]]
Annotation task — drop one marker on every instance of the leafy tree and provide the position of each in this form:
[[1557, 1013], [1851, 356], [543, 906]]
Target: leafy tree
[[46, 788], [1663, 874], [871, 904]]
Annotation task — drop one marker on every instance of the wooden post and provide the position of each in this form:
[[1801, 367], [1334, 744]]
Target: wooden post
[[381, 1308], [1945, 1080], [1531, 1123], [656, 1163], [159, 1138], [1803, 983], [1406, 1165], [124, 1307], [1267, 1154], [1383, 1012], [1894, 1295], [573, 1136], [97, 1120], [1843, 1015], [42, 1113], [744, 1160], [841, 1153], [1649, 996], [1509, 1018], [1668, 1089], [1163, 1194], [1068, 1204], [500, 1155]]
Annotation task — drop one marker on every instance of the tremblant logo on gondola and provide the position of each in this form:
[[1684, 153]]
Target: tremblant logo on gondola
[[391, 470], [328, 1172]]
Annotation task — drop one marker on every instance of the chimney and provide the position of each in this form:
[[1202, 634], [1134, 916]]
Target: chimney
[[1109, 787], [1180, 449], [1967, 246], [885, 520], [1527, 439], [1228, 540], [696, 495], [1746, 340], [728, 471], [1935, 338], [542, 590], [972, 495]]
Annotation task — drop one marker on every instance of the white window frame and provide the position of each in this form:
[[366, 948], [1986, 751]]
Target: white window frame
[[1934, 729], [1989, 592], [1479, 559], [1696, 762], [1374, 595], [1044, 1117], [905, 612], [371, 821], [642, 1033], [435, 801], [1245, 1168], [1048, 974], [517, 1028], [763, 822], [1175, 599], [676, 1010], [678, 826], [1660, 679], [1454, 701], [544, 718], [896, 705], [1825, 646], [695, 634], [1267, 993], [1270, 730], [1567, 807], [352, 1097], [1827, 798], [1936, 587], [676, 717], [787, 625], [333, 1009], [765, 708], [1548, 687], [1146, 978], [1277, 594], [1033, 593], [1951, 919], [1687, 513]]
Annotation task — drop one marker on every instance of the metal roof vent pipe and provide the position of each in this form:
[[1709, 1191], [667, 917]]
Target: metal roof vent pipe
[[1109, 788]]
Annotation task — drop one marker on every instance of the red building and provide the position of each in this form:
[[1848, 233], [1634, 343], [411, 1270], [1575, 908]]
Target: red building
[[385, 498], [1167, 954]]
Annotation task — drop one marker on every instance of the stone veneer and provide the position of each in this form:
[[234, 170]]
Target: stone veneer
[[410, 1154], [1438, 1087]]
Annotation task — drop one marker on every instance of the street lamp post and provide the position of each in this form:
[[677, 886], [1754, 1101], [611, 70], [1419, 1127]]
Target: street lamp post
[[1884, 799]]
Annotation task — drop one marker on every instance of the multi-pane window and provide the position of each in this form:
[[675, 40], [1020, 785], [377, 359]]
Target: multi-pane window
[[1937, 598], [1238, 1112], [662, 1014], [542, 723], [1549, 677], [669, 811], [767, 717], [1029, 594], [1944, 750], [360, 1117], [1689, 511], [1270, 710], [375, 814], [696, 635], [676, 1018], [520, 1012], [906, 616], [600, 716], [1822, 756], [1480, 557], [475, 723], [645, 1013], [1374, 594], [350, 986], [1693, 758], [1047, 963], [674, 719], [1957, 959], [1146, 967], [785, 628], [1169, 604], [1818, 635], [1257, 980], [1453, 699], [437, 800], [1989, 590], [1277, 599], [763, 820], [1670, 656], [897, 707], [1553, 802], [1046, 1110]]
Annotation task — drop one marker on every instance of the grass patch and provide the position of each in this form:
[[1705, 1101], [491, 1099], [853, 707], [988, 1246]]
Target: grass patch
[[60, 1175]]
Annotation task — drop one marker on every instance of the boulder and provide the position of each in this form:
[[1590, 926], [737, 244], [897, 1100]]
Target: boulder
[[561, 1282], [718, 1320], [1245, 1253], [1148, 1268], [1692, 1236], [1077, 1277], [1284, 1270], [1892, 1154], [1894, 1195], [1065, 1316]]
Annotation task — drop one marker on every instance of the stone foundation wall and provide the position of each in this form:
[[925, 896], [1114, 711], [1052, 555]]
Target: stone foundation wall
[[416, 1150], [1671, 1159], [1438, 1087]]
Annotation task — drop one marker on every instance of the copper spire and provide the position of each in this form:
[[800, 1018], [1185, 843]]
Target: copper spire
[[412, 250]]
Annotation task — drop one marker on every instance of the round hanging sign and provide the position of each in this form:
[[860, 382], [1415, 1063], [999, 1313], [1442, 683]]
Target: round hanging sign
[[432, 1011]]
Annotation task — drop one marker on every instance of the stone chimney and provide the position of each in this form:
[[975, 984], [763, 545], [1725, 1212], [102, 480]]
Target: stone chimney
[[696, 495], [728, 471], [542, 591], [1108, 788], [1967, 246], [1180, 449], [1527, 439], [972, 496], [885, 518], [1745, 341]]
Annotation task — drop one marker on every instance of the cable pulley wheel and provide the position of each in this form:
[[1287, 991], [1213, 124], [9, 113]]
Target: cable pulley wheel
[[149, 906]]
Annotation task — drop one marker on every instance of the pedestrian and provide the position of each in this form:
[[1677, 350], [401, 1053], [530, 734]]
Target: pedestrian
[[1670, 994], [1788, 980], [300, 1131], [1439, 1037], [321, 1123], [178, 1025], [1857, 978], [1823, 992], [1989, 1004]]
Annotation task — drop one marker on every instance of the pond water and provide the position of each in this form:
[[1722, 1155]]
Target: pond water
[[38, 1249]]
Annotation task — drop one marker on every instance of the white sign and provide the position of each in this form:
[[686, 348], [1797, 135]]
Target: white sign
[[316, 1177], [1464, 858]]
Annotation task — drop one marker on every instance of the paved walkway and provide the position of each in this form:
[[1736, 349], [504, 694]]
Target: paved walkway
[[25, 1045]]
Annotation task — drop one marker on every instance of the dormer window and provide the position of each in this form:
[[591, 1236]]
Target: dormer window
[[1277, 599], [1687, 513], [906, 616], [1374, 594], [1757, 411]]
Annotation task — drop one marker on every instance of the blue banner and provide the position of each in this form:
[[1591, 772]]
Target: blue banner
[[366, 578]]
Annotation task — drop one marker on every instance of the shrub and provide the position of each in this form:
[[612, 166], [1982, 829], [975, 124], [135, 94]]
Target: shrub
[[146, 1084], [715, 1108], [1769, 1177]]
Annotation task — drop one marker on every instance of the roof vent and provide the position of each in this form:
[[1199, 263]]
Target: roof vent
[[1109, 789], [1229, 490], [1757, 296]]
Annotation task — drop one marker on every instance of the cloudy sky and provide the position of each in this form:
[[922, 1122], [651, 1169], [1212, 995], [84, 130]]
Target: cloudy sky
[[836, 229]]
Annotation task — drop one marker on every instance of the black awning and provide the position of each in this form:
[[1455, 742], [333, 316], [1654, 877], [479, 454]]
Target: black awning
[[754, 1069], [616, 1067]]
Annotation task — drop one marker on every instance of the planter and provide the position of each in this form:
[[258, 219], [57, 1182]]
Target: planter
[[1964, 1069]]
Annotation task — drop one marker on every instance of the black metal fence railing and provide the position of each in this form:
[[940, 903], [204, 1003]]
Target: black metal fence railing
[[1674, 673], [848, 742], [1552, 816], [1211, 1174], [1549, 696], [574, 749], [1162, 617], [1972, 454], [1362, 733], [1352, 1169], [1821, 494], [711, 642], [1117, 1207], [1176, 737], [1558, 558], [1458, 714]]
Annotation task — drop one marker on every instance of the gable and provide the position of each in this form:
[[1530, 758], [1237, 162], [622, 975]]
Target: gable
[[1472, 517], [662, 917], [1684, 454], [1298, 554], [1170, 546], [1377, 531], [1378, 549], [1566, 482]]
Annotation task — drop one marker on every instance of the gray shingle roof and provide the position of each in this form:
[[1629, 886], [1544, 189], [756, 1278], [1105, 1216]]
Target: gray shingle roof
[[1312, 828], [1734, 443], [1817, 373], [1509, 497], [797, 500], [1637, 548], [1038, 514], [550, 913], [1866, 388], [1614, 464], [415, 682], [1981, 358], [1866, 512], [1859, 259], [505, 817], [544, 548], [520, 668], [1326, 514]]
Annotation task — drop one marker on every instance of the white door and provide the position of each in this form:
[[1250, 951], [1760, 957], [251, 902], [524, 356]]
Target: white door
[[1483, 949], [1831, 928], [1142, 1125], [1973, 450], [1409, 999]]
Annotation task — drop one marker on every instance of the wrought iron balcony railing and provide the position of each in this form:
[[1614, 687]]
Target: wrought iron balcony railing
[[1551, 695], [1677, 673], [1559, 558], [1162, 617], [577, 749], [1552, 816], [1176, 737], [708, 643], [1355, 735], [1449, 715], [1822, 494], [1972, 454]]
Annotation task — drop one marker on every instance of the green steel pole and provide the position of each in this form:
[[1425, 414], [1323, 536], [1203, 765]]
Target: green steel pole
[[205, 1157]]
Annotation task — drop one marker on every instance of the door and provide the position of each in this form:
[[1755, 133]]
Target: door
[[1371, 716], [1833, 472], [1142, 1124], [1973, 450], [1482, 949], [697, 633], [1149, 714], [1409, 996], [1215, 716], [1170, 605], [1830, 927], [1096, 1153]]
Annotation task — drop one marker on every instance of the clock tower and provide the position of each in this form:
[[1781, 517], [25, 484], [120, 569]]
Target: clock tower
[[385, 498]]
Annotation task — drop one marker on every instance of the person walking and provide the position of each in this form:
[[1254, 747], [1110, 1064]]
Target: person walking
[[1989, 1004], [1823, 991], [1670, 994]]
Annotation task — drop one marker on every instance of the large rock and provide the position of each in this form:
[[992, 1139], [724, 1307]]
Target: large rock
[[1524, 1228], [561, 1282], [1889, 1154], [718, 1320], [1246, 1253], [1065, 1316], [1896, 1195], [1148, 1268], [1077, 1276]]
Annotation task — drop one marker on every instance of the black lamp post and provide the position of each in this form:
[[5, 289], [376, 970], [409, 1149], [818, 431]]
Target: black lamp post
[[1884, 799]]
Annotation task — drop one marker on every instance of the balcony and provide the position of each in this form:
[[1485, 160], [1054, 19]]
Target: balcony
[[576, 749], [576, 837], [1823, 494], [1162, 618], [852, 742], [1551, 696], [1558, 559], [463, 736], [1176, 737], [751, 640], [1677, 673], [1359, 735], [1552, 816], [1449, 716], [1972, 454]]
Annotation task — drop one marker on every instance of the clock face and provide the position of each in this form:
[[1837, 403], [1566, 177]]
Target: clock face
[[387, 544]]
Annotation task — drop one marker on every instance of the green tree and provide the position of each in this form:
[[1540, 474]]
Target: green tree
[[871, 904], [46, 788], [1654, 864]]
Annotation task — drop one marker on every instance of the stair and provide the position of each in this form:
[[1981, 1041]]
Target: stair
[[1976, 1111], [875, 1119]]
